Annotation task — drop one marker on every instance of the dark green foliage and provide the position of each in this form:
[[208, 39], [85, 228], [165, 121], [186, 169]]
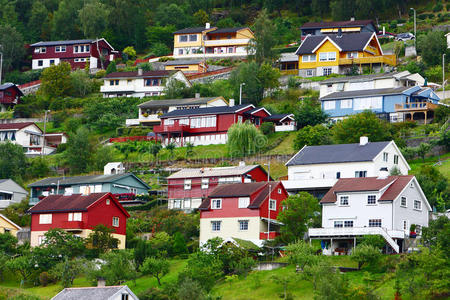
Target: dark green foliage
[[265, 40], [312, 136], [8, 243], [111, 67], [309, 112], [267, 128], [435, 187], [365, 254], [67, 270], [12, 161], [376, 241], [63, 244], [80, 150], [101, 239], [12, 46], [119, 266], [56, 81], [18, 213], [38, 168], [179, 244], [431, 46], [245, 139], [153, 294], [156, 267], [437, 234]]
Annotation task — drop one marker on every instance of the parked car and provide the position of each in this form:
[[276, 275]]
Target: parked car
[[386, 35], [405, 36]]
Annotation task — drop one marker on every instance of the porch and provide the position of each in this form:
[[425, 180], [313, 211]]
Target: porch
[[416, 110]]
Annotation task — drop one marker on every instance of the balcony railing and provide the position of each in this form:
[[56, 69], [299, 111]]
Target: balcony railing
[[272, 235], [172, 128], [384, 59], [415, 106], [226, 42]]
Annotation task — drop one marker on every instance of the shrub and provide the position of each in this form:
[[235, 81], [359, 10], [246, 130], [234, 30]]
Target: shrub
[[267, 128], [438, 7], [365, 254], [312, 135]]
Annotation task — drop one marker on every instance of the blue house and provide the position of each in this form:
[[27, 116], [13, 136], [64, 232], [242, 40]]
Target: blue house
[[126, 183], [393, 104]]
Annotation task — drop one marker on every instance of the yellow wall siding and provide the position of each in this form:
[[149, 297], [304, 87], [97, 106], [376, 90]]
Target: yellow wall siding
[[6, 225], [244, 34], [177, 44], [190, 68], [326, 47]]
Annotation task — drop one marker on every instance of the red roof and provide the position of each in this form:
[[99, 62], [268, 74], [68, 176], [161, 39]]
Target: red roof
[[74, 202], [17, 126], [397, 184]]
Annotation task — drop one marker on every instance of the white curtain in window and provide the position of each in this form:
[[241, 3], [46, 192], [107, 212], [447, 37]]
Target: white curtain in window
[[368, 103]]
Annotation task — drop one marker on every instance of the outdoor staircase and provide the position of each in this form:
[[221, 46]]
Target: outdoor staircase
[[389, 240]]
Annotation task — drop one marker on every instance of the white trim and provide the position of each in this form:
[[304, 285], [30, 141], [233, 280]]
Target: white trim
[[245, 107], [11, 222], [323, 41], [260, 109], [399, 153], [128, 290], [291, 116], [295, 155]]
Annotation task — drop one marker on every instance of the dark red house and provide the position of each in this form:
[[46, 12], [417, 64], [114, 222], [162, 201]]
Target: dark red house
[[77, 53], [246, 211], [206, 125], [78, 214], [9, 96], [188, 187]]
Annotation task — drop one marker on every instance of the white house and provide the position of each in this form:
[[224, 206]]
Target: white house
[[10, 193], [121, 292], [317, 168], [139, 83], [383, 205]]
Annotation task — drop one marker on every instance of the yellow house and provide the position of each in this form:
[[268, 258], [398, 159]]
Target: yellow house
[[211, 42], [340, 53], [187, 66], [6, 225]]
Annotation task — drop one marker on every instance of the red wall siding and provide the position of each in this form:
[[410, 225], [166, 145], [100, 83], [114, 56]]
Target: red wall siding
[[8, 99], [264, 208], [258, 174], [225, 121], [59, 220], [229, 209]]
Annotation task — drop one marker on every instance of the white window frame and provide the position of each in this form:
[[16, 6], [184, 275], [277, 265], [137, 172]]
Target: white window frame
[[371, 198], [187, 184], [309, 58], [309, 73], [375, 222], [359, 173], [327, 56], [216, 226], [45, 219], [417, 205], [401, 202], [77, 216], [353, 54], [193, 38], [347, 223], [346, 103], [328, 105], [216, 203], [205, 183], [273, 204], [115, 221], [243, 202], [395, 159], [243, 225], [183, 36], [177, 203], [59, 49], [338, 224], [344, 200], [385, 156], [327, 71]]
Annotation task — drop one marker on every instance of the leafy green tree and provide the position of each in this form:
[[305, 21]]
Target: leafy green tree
[[56, 80], [435, 187], [38, 168], [160, 34], [437, 234], [171, 148], [67, 270], [81, 83], [431, 45], [261, 46], [61, 28], [176, 89], [111, 67], [245, 139], [93, 18], [309, 112], [312, 136], [11, 42], [376, 241], [159, 49], [189, 149], [156, 267], [101, 238], [24, 265], [80, 150], [172, 14], [423, 149], [3, 261], [301, 211], [39, 15], [179, 244], [330, 284], [243, 266], [119, 266], [18, 213], [190, 289], [8, 243], [362, 124], [63, 244], [12, 161], [301, 254], [365, 254], [129, 52], [201, 17]]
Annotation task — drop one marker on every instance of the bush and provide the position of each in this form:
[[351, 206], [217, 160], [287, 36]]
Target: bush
[[312, 135], [44, 279], [438, 7], [267, 128], [365, 254], [153, 294]]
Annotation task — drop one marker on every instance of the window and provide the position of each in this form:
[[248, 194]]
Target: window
[[183, 38], [75, 216], [40, 63], [405, 225], [309, 73], [375, 223], [124, 297], [368, 103], [403, 202], [230, 50], [107, 201], [177, 204], [417, 204], [60, 49], [216, 204], [348, 223], [187, 203], [273, 204], [205, 183], [192, 38], [309, 58], [43, 50], [338, 175], [243, 202], [45, 219], [41, 239], [360, 174], [114, 82], [243, 225], [418, 229], [327, 56], [279, 191], [396, 159], [215, 225], [81, 49], [187, 184], [352, 55], [327, 105], [327, 71], [52, 62], [343, 200], [385, 156], [115, 221], [347, 103], [338, 224], [180, 51], [371, 199]]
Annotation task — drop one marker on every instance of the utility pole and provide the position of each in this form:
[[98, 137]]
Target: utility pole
[[443, 76], [1, 63], [240, 92], [415, 32], [268, 206], [43, 137]]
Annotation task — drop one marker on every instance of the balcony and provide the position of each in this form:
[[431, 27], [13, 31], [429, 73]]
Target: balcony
[[72, 225], [383, 59], [272, 235], [226, 42], [415, 106], [172, 128]]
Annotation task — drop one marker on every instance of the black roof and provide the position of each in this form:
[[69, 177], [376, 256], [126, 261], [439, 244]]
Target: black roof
[[174, 102], [363, 93], [205, 111], [192, 30], [343, 24], [337, 153], [347, 42], [278, 117], [227, 30], [57, 43]]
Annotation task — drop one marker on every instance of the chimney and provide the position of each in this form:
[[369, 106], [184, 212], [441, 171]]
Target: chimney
[[231, 102], [352, 19], [207, 25], [139, 71], [363, 140], [197, 95], [384, 173], [242, 163], [101, 282]]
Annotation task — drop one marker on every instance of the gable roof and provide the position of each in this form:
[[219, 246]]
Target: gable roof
[[103, 293], [8, 85], [183, 62], [255, 110], [347, 42], [341, 153], [193, 30], [279, 117], [74, 202], [10, 222], [89, 179], [360, 78], [16, 126], [174, 102], [134, 74], [395, 184], [227, 30], [213, 172], [57, 43], [206, 111], [364, 93], [343, 24]]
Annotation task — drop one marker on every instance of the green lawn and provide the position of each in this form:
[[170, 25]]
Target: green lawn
[[442, 163]]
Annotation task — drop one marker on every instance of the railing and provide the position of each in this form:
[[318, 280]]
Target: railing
[[289, 72], [211, 73], [131, 138], [385, 59], [172, 128], [415, 106], [272, 235], [226, 42]]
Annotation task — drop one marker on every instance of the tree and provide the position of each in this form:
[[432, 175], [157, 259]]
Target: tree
[[129, 52], [422, 150], [176, 89], [365, 254], [171, 147], [56, 81], [243, 266], [309, 112], [201, 17], [159, 49], [190, 289], [437, 234], [101, 238], [67, 270], [431, 45], [172, 14], [261, 46], [38, 168], [80, 150], [435, 187], [301, 254], [111, 67], [376, 241], [39, 16], [160, 34], [119, 266], [154, 149], [245, 139], [362, 124], [156, 267], [93, 18], [24, 265], [179, 244], [12, 161], [312, 136], [81, 83], [62, 243], [11, 42], [301, 211], [61, 28], [3, 261], [189, 149], [8, 243]]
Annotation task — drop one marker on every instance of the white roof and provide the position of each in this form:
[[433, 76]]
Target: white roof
[[212, 172]]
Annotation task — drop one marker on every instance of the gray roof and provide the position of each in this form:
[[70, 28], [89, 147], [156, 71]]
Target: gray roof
[[192, 30], [347, 42], [287, 57], [364, 93], [89, 179], [359, 78], [183, 62], [57, 43], [212, 172], [88, 293], [3, 180], [172, 102], [227, 30], [342, 153], [205, 111]]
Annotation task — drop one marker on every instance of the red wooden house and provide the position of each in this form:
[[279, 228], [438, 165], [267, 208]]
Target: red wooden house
[[207, 125], [9, 96], [77, 53], [78, 214], [188, 187], [242, 210]]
